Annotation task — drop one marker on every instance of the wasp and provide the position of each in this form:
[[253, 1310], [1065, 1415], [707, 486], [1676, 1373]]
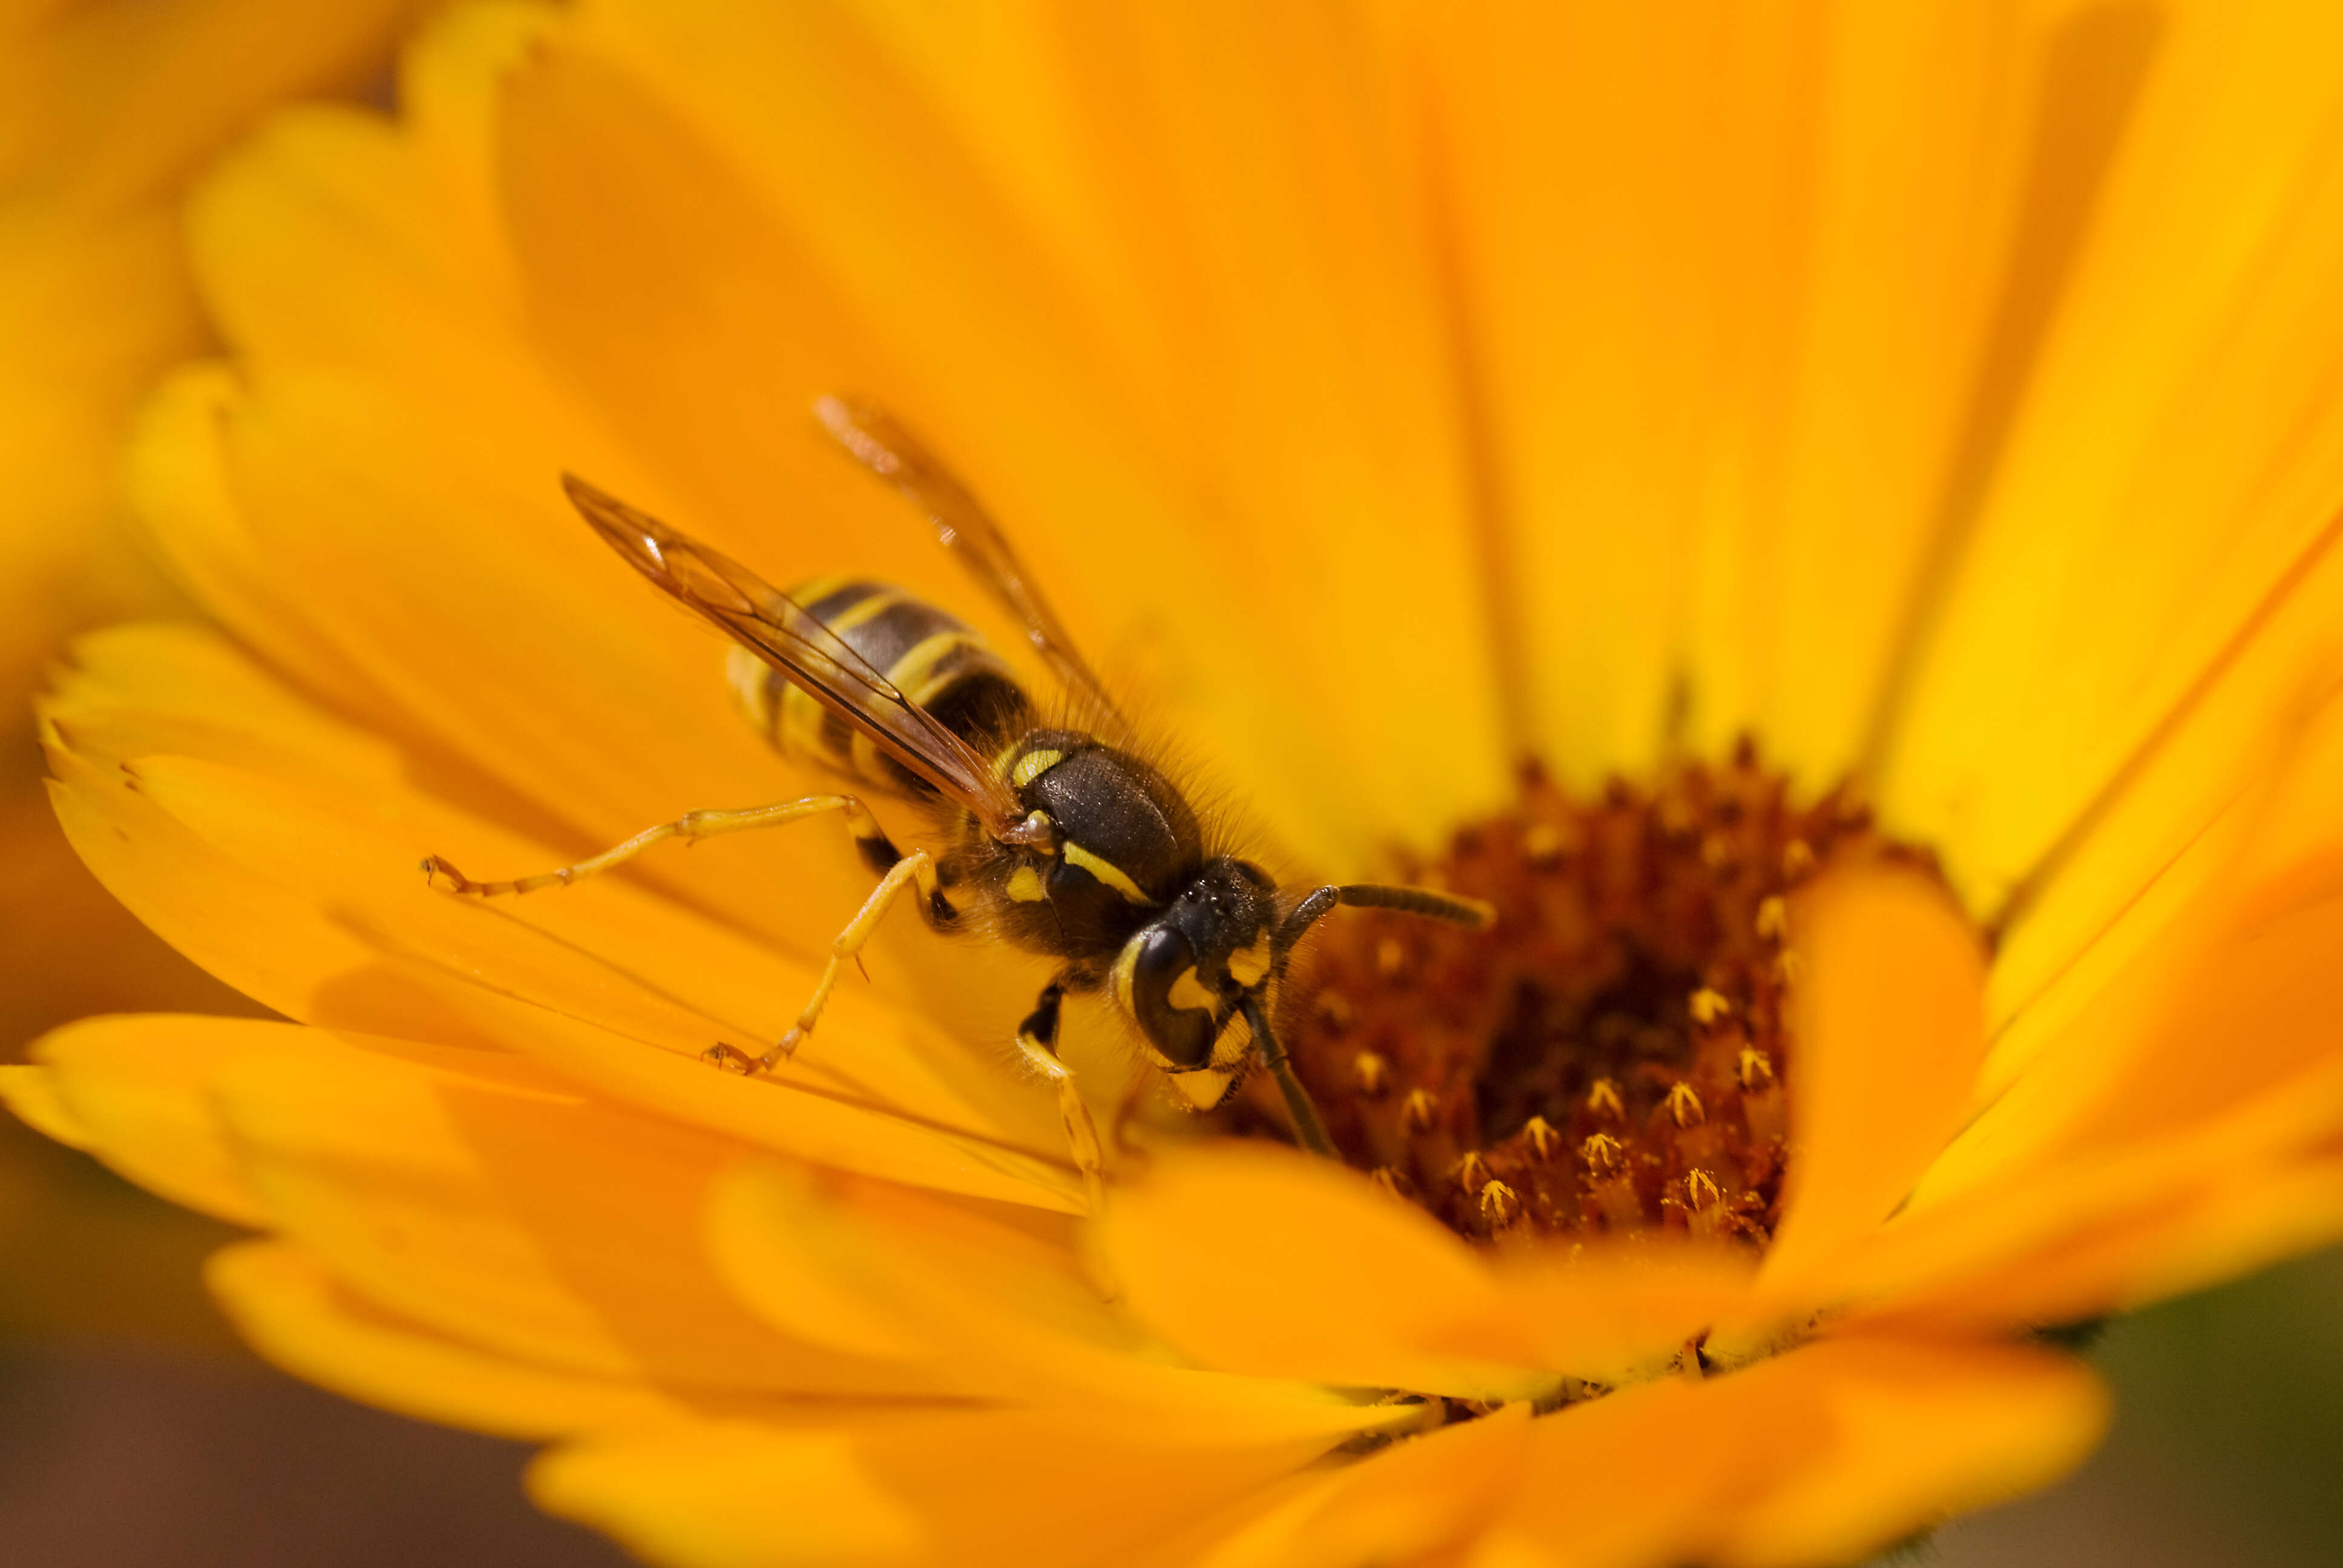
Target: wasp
[[1060, 838]]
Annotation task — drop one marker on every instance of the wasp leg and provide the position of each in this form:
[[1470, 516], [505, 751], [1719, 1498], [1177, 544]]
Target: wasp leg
[[916, 868], [1037, 1041], [1126, 1112], [877, 852]]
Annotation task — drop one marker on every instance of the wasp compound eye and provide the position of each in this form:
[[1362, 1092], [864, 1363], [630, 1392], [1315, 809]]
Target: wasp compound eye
[[1178, 1017]]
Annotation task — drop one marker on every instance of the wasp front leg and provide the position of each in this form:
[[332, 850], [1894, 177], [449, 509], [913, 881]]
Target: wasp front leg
[[916, 869], [1037, 1042]]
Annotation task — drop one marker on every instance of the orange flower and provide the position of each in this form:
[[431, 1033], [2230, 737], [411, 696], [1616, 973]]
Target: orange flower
[[1940, 395]]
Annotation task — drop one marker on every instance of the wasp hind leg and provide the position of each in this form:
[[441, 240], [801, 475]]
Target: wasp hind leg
[[878, 852], [1037, 1042], [916, 869]]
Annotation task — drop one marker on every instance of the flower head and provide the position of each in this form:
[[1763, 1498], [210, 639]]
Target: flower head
[[1394, 393]]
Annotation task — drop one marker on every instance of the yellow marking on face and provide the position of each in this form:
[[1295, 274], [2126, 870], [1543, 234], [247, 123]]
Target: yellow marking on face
[[1204, 1087], [1234, 1044], [1188, 991], [1247, 965], [1118, 980], [1032, 765], [1025, 885], [1106, 872]]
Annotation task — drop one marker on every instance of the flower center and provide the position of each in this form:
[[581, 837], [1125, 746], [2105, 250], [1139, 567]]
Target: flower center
[[1612, 1055]]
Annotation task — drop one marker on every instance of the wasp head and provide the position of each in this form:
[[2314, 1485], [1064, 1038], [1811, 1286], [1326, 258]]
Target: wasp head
[[1183, 976]]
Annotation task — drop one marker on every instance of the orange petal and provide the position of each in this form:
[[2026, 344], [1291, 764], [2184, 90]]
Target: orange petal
[[2106, 1229], [136, 1091], [1912, 1433], [1890, 1031], [2225, 1009], [1137, 301], [972, 1488], [882, 1270], [296, 1313], [102, 115], [1256, 1259], [530, 1224], [1820, 1455], [2161, 511], [32, 1095], [456, 601], [1402, 1505]]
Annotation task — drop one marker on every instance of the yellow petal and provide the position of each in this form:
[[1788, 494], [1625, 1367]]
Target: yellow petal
[[1402, 1505], [2099, 1229], [2167, 481], [1110, 377], [2202, 795], [293, 1312], [528, 1223], [32, 1095], [1726, 375], [1820, 1455], [881, 1269], [408, 609], [1890, 1030], [1914, 1434], [1256, 1259], [2222, 1009], [103, 112], [135, 1090], [1012, 1488], [444, 545]]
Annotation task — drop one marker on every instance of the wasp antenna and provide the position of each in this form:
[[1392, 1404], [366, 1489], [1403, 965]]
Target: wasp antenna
[[1470, 913]]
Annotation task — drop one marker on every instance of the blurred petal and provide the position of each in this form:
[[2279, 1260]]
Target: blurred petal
[[513, 1217], [1020, 1488], [136, 1091], [1890, 1029], [104, 109], [1259, 1259], [1820, 1455], [293, 1312], [882, 1270]]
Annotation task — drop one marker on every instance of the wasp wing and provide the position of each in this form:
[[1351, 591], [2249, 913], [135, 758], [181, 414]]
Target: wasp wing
[[879, 442], [763, 619]]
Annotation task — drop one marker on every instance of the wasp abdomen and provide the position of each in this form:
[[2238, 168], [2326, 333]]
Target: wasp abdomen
[[934, 659]]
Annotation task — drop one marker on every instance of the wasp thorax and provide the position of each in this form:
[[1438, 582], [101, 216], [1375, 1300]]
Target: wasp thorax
[[1614, 1054]]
